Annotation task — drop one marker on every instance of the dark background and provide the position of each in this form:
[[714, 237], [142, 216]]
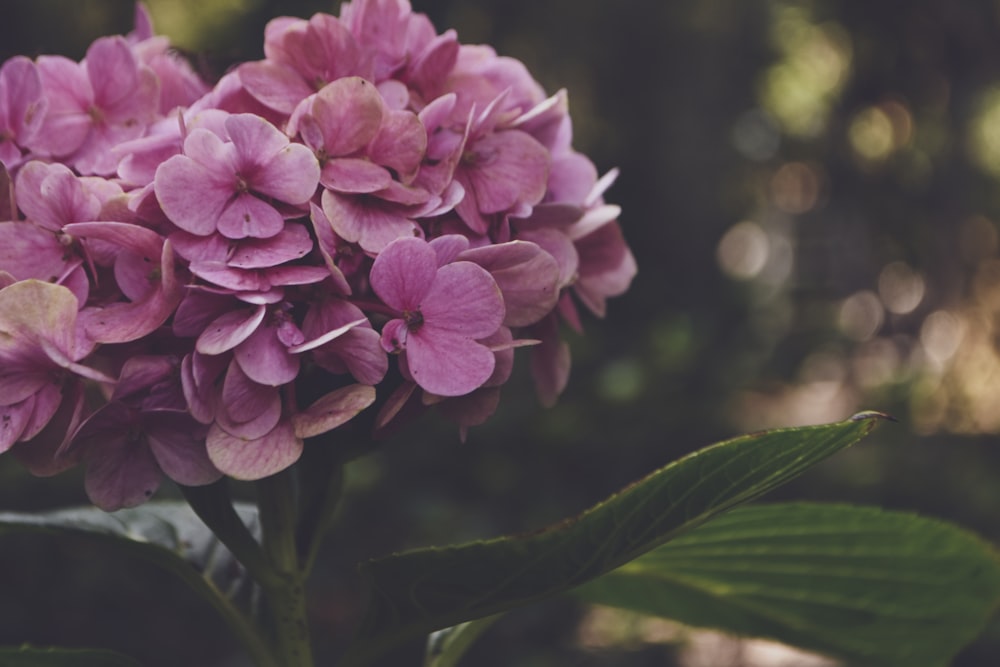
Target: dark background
[[811, 192]]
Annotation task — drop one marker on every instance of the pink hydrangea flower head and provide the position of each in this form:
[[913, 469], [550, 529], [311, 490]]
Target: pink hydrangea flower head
[[443, 311], [230, 186]]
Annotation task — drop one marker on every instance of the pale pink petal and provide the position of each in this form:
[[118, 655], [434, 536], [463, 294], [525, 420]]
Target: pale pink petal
[[229, 330], [31, 310], [250, 459], [255, 139], [404, 272], [449, 247], [357, 352], [332, 410]]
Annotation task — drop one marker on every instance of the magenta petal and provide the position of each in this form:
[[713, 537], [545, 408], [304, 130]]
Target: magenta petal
[[246, 215], [332, 410], [253, 459], [248, 409], [229, 330], [447, 364], [265, 359], [464, 299], [13, 420], [178, 445], [403, 273], [121, 473]]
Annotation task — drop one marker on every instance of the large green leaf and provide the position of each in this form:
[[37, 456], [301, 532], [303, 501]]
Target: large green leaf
[[878, 587], [167, 534], [28, 656], [420, 591]]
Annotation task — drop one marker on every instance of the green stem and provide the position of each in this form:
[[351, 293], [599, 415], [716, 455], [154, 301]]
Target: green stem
[[285, 593]]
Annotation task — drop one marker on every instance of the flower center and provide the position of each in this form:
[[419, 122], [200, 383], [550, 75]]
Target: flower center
[[414, 319]]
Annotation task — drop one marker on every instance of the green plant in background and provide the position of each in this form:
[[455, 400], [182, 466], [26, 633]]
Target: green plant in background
[[250, 281]]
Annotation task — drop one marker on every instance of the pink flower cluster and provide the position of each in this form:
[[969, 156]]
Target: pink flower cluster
[[371, 205]]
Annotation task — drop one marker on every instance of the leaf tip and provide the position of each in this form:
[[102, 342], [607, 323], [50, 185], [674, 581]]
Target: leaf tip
[[865, 415]]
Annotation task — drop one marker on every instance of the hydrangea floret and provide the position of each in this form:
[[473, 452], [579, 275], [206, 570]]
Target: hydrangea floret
[[195, 279]]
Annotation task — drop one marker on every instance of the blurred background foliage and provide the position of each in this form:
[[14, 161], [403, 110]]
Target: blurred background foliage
[[812, 192]]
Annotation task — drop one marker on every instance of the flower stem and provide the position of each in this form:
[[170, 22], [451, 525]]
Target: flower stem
[[285, 593]]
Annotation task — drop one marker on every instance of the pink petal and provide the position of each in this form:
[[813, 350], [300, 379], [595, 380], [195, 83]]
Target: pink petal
[[527, 276], [121, 475], [400, 144], [28, 251], [178, 445], [550, 361], [250, 459], [249, 216], [354, 175], [332, 410], [277, 86], [506, 168], [290, 176], [465, 300], [13, 420], [447, 364], [248, 409], [366, 221], [349, 112], [265, 359], [191, 195], [22, 103], [404, 272], [292, 242]]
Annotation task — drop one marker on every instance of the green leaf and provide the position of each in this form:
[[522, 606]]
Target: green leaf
[[27, 656], [877, 587], [166, 534], [425, 590]]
